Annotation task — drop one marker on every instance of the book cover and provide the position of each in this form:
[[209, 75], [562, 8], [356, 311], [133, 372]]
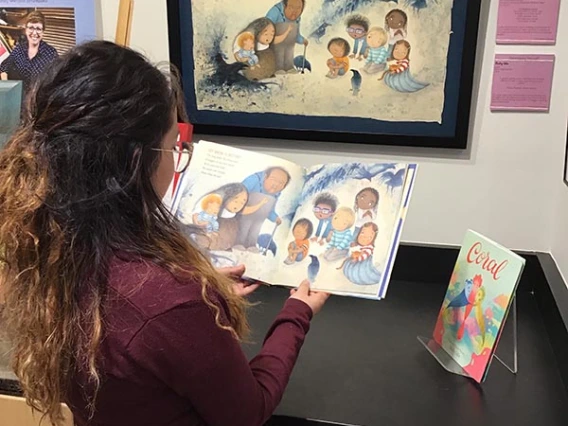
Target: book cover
[[482, 286], [338, 225]]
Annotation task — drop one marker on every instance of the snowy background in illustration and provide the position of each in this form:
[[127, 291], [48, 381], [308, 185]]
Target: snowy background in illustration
[[296, 201], [234, 166], [241, 164], [312, 94], [345, 189]]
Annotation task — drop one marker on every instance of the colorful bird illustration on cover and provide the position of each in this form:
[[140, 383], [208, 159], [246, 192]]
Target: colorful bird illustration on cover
[[471, 296]]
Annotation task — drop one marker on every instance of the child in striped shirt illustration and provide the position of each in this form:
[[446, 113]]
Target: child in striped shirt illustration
[[340, 237], [399, 59], [377, 52]]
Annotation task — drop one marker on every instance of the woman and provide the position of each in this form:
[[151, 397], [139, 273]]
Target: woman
[[110, 308], [29, 59], [265, 36], [235, 197]]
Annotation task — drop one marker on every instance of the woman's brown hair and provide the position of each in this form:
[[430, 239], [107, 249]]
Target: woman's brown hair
[[75, 191], [36, 17]]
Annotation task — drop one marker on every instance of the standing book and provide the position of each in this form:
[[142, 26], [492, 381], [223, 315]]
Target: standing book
[[477, 302], [338, 225]]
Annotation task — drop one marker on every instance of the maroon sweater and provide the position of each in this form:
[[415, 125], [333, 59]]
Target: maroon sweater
[[166, 362]]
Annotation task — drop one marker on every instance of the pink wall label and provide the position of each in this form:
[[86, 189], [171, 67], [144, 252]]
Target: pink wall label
[[527, 21], [522, 82]]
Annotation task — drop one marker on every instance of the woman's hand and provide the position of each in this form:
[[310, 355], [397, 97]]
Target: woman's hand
[[314, 299], [240, 287]]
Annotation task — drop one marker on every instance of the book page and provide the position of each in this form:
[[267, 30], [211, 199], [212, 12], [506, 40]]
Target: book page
[[343, 231], [242, 203]]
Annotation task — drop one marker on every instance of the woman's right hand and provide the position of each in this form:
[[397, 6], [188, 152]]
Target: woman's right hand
[[314, 299]]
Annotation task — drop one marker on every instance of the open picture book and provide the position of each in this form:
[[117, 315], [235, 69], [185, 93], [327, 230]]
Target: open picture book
[[338, 225]]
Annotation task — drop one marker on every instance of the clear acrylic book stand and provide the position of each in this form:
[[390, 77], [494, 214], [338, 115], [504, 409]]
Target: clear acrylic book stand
[[505, 352]]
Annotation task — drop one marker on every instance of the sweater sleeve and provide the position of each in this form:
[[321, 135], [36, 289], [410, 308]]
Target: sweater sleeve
[[205, 364], [9, 61]]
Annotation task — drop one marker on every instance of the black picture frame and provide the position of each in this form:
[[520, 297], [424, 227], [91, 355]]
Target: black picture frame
[[462, 49]]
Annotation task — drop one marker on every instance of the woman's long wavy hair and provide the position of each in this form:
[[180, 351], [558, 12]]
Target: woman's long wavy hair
[[75, 190]]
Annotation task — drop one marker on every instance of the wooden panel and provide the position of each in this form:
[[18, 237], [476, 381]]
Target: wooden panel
[[124, 23], [60, 28]]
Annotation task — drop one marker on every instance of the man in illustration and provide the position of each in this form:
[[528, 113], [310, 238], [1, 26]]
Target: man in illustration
[[263, 188], [286, 16], [325, 205]]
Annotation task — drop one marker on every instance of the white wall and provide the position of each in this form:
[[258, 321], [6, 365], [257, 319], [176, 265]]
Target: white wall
[[149, 33], [557, 142], [559, 246], [508, 184]]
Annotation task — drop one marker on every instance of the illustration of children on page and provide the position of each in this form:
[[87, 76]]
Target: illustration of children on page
[[255, 209], [287, 223], [358, 200]]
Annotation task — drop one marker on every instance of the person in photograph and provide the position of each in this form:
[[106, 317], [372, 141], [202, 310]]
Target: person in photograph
[[30, 57]]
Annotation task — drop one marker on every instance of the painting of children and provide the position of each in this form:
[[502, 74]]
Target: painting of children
[[278, 60], [357, 28], [246, 54], [377, 53], [339, 63], [340, 236], [325, 205], [298, 249]]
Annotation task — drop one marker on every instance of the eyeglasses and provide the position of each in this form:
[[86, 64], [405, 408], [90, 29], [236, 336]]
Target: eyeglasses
[[322, 210], [357, 31], [182, 155], [35, 29]]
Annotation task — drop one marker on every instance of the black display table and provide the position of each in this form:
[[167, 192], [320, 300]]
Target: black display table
[[362, 364]]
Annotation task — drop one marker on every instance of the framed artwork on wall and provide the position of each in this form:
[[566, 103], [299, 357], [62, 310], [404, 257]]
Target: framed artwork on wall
[[362, 71]]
